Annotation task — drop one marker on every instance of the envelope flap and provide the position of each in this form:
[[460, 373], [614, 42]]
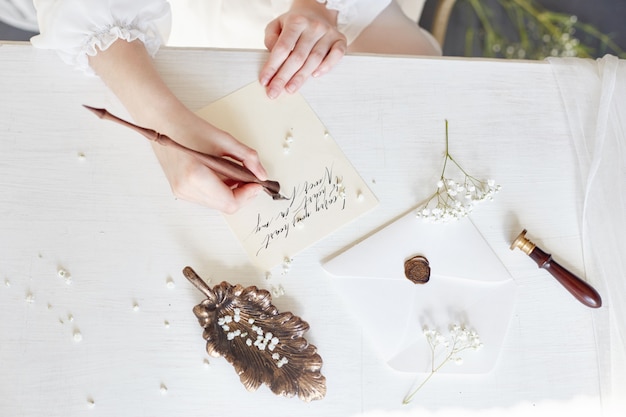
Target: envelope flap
[[454, 250]]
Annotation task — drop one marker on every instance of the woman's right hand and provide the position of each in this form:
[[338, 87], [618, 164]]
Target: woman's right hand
[[129, 72], [192, 181]]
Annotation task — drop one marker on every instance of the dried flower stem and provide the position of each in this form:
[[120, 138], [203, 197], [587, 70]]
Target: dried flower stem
[[460, 339], [447, 205]]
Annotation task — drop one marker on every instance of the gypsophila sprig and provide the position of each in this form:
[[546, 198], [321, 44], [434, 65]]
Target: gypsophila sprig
[[459, 339], [453, 199]]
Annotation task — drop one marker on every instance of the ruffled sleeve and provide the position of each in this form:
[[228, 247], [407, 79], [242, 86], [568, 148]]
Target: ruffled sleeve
[[78, 28]]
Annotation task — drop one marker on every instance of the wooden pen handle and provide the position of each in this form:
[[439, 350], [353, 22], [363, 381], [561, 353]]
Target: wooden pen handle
[[583, 292], [220, 165]]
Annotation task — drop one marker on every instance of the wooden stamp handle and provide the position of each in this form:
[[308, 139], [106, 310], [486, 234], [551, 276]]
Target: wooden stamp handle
[[581, 290]]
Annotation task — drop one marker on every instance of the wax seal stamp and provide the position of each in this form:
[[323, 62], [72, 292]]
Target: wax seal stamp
[[417, 269], [580, 289]]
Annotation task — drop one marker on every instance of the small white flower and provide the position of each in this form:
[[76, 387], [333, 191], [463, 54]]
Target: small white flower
[[459, 338], [281, 362], [77, 336], [454, 200]]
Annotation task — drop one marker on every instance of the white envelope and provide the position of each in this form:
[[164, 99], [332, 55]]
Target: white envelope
[[468, 285]]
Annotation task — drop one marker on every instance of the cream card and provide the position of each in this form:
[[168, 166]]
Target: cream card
[[323, 189]]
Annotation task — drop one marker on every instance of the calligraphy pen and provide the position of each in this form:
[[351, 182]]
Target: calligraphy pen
[[223, 166]]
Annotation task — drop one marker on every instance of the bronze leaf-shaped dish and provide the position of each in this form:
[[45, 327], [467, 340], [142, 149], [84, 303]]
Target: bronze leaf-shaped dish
[[263, 345]]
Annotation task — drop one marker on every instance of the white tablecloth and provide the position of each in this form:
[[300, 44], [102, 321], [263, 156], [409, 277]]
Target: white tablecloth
[[89, 197]]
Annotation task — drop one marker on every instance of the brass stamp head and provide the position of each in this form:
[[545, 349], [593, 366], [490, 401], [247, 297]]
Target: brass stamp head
[[523, 243]]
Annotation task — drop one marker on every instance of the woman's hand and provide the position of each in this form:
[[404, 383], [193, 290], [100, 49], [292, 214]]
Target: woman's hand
[[192, 181], [303, 42], [129, 72]]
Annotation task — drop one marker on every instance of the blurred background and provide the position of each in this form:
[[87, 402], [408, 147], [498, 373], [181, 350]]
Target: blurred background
[[518, 29], [531, 29]]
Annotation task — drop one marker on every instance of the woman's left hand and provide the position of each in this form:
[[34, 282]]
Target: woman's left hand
[[303, 42]]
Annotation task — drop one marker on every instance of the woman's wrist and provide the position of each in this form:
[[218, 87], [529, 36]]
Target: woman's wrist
[[317, 6], [128, 70]]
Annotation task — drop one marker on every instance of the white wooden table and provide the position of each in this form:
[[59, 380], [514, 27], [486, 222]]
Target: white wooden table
[[89, 197]]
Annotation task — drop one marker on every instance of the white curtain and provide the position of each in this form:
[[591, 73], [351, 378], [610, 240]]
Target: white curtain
[[594, 96]]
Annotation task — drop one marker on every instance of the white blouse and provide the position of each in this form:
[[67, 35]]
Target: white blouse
[[75, 28]]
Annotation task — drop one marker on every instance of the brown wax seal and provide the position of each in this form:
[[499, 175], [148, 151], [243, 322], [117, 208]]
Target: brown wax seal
[[417, 269]]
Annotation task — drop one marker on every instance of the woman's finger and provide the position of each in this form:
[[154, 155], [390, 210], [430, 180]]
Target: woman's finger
[[289, 33], [337, 51], [324, 55]]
